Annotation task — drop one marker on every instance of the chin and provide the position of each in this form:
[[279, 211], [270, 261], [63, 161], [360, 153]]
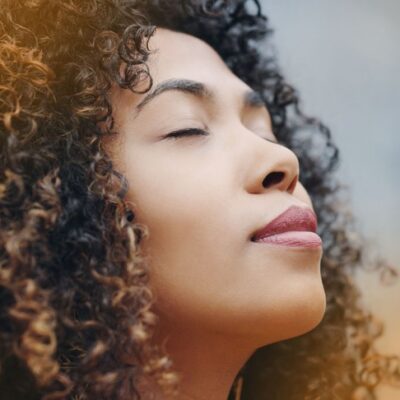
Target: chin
[[310, 313], [297, 317], [315, 313]]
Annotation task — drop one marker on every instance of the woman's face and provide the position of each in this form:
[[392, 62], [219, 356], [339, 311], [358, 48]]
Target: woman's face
[[202, 197]]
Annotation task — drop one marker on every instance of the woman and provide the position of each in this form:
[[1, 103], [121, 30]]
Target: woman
[[146, 148]]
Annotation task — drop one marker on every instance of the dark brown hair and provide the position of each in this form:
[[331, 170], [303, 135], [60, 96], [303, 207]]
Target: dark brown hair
[[75, 308]]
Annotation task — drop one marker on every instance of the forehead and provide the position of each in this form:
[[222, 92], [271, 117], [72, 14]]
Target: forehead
[[179, 55]]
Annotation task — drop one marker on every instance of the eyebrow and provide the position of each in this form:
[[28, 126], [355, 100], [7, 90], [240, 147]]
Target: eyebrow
[[251, 98]]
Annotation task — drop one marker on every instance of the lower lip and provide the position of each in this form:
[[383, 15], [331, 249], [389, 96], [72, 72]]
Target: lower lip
[[293, 239]]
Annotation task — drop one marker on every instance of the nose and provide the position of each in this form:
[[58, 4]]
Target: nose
[[274, 167]]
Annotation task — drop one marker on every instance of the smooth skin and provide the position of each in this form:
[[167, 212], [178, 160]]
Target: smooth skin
[[219, 296]]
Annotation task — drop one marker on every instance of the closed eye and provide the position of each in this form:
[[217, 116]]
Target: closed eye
[[185, 132], [197, 132]]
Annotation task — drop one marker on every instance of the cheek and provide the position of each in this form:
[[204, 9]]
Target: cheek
[[194, 241], [187, 220], [188, 241]]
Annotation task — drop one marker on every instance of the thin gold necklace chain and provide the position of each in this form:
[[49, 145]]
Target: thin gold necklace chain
[[238, 388]]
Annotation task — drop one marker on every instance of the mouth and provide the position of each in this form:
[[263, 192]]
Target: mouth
[[296, 226]]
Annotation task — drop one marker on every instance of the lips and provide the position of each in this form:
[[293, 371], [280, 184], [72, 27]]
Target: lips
[[293, 219]]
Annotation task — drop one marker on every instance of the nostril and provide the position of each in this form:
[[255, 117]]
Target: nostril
[[273, 178]]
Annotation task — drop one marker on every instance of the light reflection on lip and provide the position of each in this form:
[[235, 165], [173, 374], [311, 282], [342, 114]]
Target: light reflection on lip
[[295, 219], [305, 239]]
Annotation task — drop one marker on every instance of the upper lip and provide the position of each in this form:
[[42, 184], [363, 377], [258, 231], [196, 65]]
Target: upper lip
[[293, 219]]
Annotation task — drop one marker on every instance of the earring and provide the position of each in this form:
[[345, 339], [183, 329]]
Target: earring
[[238, 388], [129, 215]]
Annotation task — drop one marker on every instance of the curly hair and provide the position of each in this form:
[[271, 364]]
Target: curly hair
[[76, 316]]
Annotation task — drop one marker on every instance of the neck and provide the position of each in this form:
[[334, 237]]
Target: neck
[[207, 362]]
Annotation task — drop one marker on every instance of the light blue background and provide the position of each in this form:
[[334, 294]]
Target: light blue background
[[344, 57]]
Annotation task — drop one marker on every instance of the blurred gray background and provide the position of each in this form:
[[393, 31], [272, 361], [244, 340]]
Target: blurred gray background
[[344, 58]]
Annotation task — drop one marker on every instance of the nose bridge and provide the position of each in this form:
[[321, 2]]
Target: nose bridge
[[268, 165]]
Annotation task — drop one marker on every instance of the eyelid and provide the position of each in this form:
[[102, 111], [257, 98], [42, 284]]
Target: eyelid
[[185, 132]]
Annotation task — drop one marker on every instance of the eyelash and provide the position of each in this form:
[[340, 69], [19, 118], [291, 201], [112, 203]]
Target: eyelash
[[193, 132], [186, 132]]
